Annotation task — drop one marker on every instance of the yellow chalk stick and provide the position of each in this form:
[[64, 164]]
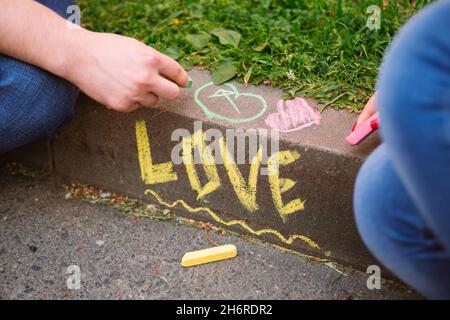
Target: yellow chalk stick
[[209, 255]]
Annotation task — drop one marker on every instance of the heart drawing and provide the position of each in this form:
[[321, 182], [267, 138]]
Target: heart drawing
[[230, 104], [293, 115]]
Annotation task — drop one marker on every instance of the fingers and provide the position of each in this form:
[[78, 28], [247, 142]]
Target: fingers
[[368, 111], [148, 100], [164, 88], [172, 70]]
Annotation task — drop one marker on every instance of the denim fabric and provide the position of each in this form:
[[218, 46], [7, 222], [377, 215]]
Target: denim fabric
[[402, 193], [33, 102]]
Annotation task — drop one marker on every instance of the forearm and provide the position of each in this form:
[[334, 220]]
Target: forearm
[[119, 72], [35, 34]]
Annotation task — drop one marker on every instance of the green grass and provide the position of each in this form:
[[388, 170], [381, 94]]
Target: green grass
[[315, 48]]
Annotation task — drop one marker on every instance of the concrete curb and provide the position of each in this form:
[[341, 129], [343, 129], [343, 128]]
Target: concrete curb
[[100, 146]]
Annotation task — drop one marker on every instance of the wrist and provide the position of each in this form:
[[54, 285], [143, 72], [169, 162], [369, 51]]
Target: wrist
[[75, 55]]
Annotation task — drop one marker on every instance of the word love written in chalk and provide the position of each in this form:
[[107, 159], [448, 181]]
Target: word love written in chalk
[[152, 173]]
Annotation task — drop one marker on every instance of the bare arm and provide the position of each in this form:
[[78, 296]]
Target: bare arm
[[118, 71]]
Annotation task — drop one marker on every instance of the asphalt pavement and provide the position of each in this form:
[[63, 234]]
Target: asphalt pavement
[[122, 256]]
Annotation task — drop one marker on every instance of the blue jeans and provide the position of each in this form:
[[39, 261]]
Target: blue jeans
[[402, 192], [33, 102]]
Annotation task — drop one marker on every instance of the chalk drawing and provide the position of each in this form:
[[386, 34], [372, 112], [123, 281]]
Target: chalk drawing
[[189, 143], [152, 173], [230, 223], [231, 94], [280, 185], [293, 115], [246, 193]]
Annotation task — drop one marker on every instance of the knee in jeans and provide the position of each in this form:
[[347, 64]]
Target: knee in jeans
[[55, 103], [50, 101], [35, 103], [370, 213]]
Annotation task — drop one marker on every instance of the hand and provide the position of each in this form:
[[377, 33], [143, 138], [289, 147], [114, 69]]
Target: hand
[[368, 111], [119, 72], [123, 73]]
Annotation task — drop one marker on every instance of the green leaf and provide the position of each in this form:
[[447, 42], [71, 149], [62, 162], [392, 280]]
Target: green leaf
[[340, 12], [227, 37], [198, 41], [224, 72], [248, 75], [266, 3], [173, 52], [174, 15], [260, 48]]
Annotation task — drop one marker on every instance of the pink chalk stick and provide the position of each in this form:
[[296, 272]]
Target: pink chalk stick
[[363, 130]]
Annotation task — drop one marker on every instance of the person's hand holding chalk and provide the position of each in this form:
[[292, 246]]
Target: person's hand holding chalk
[[366, 123], [368, 111], [123, 73]]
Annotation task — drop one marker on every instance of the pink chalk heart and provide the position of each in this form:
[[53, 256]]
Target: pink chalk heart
[[293, 115]]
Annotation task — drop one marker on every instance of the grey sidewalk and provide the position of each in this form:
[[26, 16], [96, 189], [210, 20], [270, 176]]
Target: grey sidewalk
[[100, 148], [125, 257]]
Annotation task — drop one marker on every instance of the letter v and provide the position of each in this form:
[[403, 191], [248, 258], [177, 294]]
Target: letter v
[[246, 193]]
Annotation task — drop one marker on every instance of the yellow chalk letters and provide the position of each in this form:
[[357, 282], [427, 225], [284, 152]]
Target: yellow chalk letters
[[151, 173]]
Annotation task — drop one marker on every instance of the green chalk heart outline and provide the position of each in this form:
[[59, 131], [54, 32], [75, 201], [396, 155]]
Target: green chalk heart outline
[[225, 93]]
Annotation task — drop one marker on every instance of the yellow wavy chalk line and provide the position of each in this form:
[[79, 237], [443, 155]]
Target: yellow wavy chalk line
[[289, 240]]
